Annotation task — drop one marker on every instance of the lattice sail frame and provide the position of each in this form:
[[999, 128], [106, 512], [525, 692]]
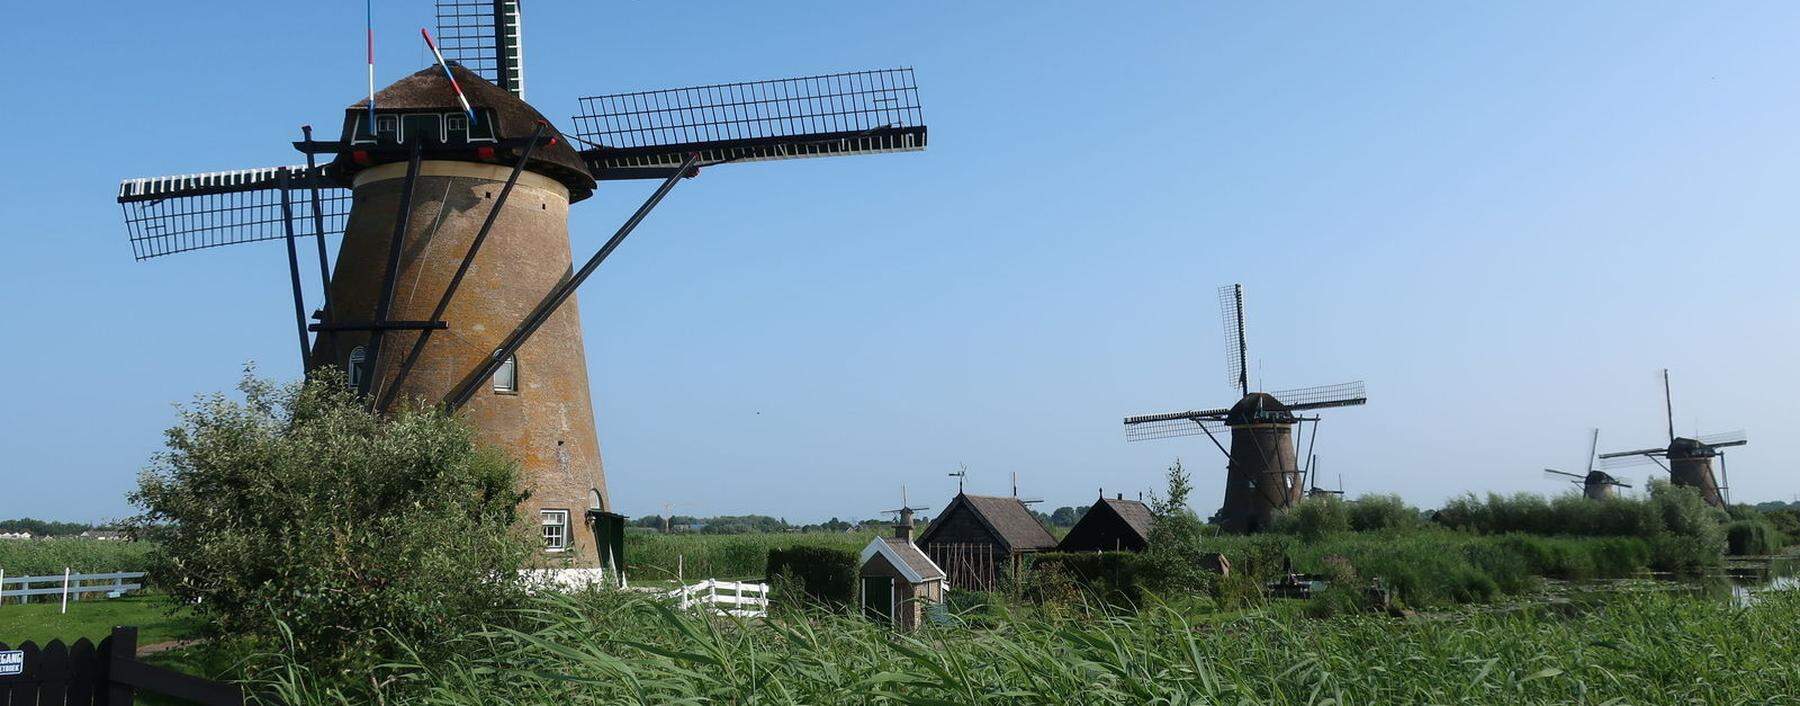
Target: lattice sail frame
[[1231, 317], [1340, 395], [861, 112], [486, 37], [1175, 424], [175, 214]]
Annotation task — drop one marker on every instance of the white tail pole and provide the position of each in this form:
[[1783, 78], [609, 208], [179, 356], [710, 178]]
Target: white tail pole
[[65, 600], [2, 586]]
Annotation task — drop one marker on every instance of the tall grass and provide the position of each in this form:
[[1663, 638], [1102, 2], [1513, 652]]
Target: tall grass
[[42, 557], [611, 649], [650, 555]]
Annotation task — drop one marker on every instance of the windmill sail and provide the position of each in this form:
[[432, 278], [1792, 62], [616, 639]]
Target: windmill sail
[[173, 214], [1726, 438], [646, 133], [485, 37], [1340, 395], [1175, 424], [1231, 317]]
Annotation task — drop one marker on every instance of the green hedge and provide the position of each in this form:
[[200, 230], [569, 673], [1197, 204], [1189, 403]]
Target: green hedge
[[1752, 538], [1110, 576], [823, 574]]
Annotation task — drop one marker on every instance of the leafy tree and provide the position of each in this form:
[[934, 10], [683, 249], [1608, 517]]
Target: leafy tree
[[1172, 563], [299, 507], [1063, 517]]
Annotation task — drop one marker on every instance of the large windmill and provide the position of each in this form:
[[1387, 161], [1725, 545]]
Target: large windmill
[[1595, 484], [1262, 474], [1689, 460], [455, 282]]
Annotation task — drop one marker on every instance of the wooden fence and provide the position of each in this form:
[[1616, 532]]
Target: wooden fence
[[107, 674], [742, 599], [68, 584], [970, 567]]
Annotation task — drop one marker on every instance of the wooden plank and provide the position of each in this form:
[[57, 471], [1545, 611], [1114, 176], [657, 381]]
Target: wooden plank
[[25, 686], [54, 673], [85, 682], [172, 683], [121, 645]]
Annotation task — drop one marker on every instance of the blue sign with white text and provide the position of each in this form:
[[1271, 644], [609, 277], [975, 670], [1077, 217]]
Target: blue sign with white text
[[12, 663]]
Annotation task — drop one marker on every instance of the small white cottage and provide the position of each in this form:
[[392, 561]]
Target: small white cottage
[[896, 580]]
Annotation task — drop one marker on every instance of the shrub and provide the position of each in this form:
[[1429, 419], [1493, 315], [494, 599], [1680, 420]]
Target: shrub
[[1314, 517], [298, 506], [825, 575], [1111, 577], [1373, 513], [1752, 537]]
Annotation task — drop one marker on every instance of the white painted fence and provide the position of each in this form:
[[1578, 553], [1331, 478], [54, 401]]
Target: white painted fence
[[67, 584], [739, 598]]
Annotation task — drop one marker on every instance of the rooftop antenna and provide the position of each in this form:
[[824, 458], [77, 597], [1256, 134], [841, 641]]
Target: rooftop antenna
[[960, 473], [1015, 480], [1262, 470], [1669, 404]]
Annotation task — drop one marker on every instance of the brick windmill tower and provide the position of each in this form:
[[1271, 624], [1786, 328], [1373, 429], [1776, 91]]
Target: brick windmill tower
[[1262, 471], [455, 280]]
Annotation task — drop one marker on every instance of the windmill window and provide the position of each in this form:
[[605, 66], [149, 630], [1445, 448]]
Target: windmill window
[[506, 377], [359, 363], [456, 122], [555, 524], [387, 126]]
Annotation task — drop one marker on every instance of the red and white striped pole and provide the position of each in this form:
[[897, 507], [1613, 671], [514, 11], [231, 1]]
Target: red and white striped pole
[[448, 75], [369, 30]]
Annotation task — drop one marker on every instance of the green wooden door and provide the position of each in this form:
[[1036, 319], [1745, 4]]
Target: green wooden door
[[878, 598]]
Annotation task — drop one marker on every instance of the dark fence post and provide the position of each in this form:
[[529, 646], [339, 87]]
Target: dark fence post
[[122, 645]]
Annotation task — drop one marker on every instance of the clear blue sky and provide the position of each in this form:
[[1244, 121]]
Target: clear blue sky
[[1504, 216]]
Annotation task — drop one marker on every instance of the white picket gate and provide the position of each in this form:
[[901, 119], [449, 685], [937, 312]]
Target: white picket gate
[[739, 598]]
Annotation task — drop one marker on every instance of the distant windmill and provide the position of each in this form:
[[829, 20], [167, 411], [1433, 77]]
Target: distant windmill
[[1262, 473], [1689, 459], [1313, 490], [1596, 485], [903, 516]]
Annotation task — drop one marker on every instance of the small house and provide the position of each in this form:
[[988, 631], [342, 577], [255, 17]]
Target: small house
[[1112, 524], [895, 581], [979, 538]]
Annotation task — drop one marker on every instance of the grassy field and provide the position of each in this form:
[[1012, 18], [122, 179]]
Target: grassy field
[[607, 649], [94, 619]]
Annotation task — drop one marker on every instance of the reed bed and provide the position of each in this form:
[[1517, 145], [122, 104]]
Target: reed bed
[[613, 649]]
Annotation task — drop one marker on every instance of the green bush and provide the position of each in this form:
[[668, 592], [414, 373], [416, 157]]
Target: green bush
[[1314, 517], [1374, 513], [823, 574], [299, 507], [1752, 538], [1111, 577]]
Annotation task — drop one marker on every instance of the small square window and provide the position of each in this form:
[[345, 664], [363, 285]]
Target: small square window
[[387, 125], [506, 377], [456, 121], [555, 524]]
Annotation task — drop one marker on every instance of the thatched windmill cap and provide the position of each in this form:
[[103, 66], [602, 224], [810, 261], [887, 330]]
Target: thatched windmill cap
[[429, 90], [1683, 447], [1259, 408]]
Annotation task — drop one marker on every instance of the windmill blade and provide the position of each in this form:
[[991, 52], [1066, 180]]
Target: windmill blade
[[1725, 438], [1630, 460], [172, 214], [646, 133], [1231, 319], [484, 36], [1175, 424], [1564, 473], [1340, 395], [1639, 452]]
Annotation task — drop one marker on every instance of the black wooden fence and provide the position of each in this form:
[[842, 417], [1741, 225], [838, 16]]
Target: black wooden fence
[[107, 674]]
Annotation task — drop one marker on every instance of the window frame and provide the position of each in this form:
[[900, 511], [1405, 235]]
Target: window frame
[[356, 366], [511, 387], [562, 527]]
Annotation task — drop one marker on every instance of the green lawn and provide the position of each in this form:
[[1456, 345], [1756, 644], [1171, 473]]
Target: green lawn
[[94, 619]]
